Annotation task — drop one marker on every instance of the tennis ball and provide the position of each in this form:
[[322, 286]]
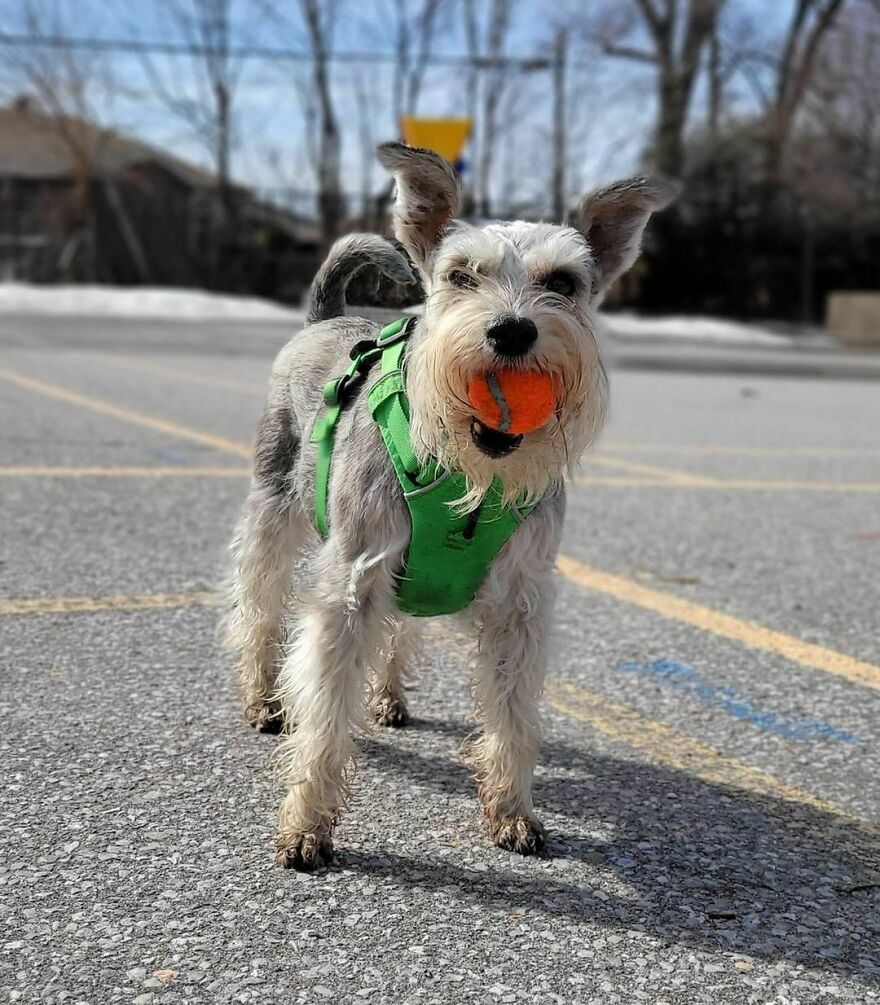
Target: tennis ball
[[513, 401]]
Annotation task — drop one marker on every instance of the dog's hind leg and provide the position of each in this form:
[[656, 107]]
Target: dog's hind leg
[[323, 689], [388, 703], [270, 531]]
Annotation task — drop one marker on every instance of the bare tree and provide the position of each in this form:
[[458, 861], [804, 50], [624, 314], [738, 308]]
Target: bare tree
[[319, 18], [412, 24], [678, 34], [365, 102], [67, 89], [200, 90], [811, 20], [838, 138], [496, 77]]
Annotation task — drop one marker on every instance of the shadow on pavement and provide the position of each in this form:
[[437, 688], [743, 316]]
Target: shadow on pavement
[[688, 862]]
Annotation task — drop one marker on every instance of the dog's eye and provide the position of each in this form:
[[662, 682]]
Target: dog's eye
[[462, 280], [563, 284]]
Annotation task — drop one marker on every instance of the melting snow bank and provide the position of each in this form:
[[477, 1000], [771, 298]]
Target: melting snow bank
[[168, 304], [150, 302], [690, 329]]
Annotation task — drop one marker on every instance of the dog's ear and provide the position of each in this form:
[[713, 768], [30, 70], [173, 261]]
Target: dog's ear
[[427, 197], [613, 219]]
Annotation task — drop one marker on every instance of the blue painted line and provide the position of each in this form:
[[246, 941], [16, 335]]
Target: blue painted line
[[691, 682], [170, 457]]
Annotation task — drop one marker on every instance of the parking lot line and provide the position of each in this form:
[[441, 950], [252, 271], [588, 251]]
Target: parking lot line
[[748, 633], [126, 414], [185, 376], [666, 746], [671, 476], [737, 450], [173, 471], [733, 484], [91, 605], [660, 743]]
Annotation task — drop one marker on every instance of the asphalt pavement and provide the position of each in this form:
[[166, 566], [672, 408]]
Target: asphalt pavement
[[710, 771]]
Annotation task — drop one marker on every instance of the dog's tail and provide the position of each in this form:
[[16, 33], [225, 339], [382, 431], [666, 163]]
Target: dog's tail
[[345, 259]]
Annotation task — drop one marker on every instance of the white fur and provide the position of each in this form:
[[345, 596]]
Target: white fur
[[349, 632], [451, 347]]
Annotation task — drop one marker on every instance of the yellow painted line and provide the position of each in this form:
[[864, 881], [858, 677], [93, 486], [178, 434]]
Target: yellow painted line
[[185, 376], [736, 450], [663, 745], [666, 746], [177, 471], [671, 476], [748, 633], [625, 482], [126, 414], [786, 485], [734, 484], [92, 605]]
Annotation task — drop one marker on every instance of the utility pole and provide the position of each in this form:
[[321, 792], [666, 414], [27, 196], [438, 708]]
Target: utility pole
[[557, 186]]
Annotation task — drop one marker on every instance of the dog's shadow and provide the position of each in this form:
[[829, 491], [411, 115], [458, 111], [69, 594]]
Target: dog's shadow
[[684, 860]]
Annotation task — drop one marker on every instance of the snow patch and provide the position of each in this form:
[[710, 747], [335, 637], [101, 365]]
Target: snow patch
[[690, 329], [142, 302], [169, 304]]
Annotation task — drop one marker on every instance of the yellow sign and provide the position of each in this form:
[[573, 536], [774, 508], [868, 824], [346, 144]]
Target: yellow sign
[[446, 137]]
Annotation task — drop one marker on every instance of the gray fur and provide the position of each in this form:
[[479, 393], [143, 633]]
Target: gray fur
[[348, 628], [427, 197], [613, 220], [276, 449], [348, 256]]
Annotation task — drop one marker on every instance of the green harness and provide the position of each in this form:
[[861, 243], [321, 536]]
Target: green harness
[[449, 554]]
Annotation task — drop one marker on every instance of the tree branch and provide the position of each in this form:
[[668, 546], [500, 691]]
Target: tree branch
[[628, 52], [651, 15], [805, 65]]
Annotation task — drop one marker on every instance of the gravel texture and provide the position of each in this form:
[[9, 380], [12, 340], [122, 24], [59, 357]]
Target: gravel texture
[[136, 815]]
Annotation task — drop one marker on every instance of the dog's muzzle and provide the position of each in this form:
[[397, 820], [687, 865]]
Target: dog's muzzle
[[492, 442]]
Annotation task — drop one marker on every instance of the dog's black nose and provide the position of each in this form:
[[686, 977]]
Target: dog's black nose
[[512, 336]]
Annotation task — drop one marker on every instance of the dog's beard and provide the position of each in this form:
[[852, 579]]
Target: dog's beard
[[449, 349]]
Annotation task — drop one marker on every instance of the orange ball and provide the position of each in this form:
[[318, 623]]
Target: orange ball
[[513, 401]]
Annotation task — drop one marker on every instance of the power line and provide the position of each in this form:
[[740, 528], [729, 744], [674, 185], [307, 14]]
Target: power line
[[136, 46]]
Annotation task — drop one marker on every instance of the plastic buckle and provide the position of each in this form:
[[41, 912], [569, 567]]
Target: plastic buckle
[[396, 331], [361, 348], [334, 388]]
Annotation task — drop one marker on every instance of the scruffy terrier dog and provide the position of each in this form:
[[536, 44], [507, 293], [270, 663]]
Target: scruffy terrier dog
[[515, 295]]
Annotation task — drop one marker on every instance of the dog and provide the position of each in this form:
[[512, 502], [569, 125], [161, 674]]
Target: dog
[[516, 294]]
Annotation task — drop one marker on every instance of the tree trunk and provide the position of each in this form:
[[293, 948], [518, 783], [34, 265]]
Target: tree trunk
[[329, 194], [499, 20], [557, 186], [669, 149]]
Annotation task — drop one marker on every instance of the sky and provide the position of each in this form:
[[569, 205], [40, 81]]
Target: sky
[[610, 103]]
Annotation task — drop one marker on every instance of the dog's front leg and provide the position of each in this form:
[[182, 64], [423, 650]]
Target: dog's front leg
[[323, 691], [508, 681], [513, 614]]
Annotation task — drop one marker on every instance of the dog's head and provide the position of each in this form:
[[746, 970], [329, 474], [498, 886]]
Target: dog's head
[[508, 296]]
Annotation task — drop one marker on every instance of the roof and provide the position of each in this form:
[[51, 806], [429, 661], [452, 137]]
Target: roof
[[39, 146]]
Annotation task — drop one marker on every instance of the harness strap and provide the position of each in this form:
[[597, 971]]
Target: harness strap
[[449, 552], [337, 393]]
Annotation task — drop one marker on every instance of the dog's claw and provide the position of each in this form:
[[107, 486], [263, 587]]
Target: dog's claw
[[521, 834], [390, 712], [265, 718], [305, 852]]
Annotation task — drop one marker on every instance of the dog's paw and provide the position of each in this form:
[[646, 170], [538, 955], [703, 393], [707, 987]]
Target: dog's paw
[[521, 834], [389, 711], [265, 718], [305, 851]]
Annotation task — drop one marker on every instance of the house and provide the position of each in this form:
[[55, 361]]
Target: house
[[81, 203]]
